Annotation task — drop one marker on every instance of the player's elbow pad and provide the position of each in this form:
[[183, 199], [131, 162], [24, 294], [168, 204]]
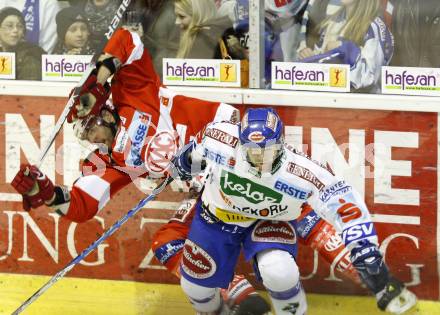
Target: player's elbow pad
[[112, 64], [61, 202]]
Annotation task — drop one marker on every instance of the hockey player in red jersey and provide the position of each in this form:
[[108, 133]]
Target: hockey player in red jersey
[[138, 133]]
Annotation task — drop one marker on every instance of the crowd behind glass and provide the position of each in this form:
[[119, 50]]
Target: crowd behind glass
[[366, 34]]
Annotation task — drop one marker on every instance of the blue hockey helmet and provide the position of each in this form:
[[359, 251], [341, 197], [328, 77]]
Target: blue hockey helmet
[[261, 137]]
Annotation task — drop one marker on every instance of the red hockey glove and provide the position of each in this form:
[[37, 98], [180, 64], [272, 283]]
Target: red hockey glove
[[92, 98], [35, 187]]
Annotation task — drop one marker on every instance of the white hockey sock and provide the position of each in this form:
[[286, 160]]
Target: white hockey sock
[[294, 305], [203, 299]]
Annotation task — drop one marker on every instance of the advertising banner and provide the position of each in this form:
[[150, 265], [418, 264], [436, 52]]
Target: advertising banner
[[201, 72], [7, 65], [310, 76], [389, 157], [411, 81], [65, 68]]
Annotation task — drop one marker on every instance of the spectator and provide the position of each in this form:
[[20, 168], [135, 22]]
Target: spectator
[[358, 36], [161, 32], [99, 13], [39, 16], [416, 26], [317, 11], [12, 39], [73, 33], [201, 28]]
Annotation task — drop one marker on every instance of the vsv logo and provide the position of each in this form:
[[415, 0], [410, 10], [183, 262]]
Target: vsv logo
[[358, 232]]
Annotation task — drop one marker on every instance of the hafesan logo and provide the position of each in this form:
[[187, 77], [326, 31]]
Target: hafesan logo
[[228, 72], [5, 65], [338, 77]]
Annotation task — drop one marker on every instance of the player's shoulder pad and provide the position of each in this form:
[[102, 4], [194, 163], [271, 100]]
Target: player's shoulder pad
[[299, 155], [224, 132]]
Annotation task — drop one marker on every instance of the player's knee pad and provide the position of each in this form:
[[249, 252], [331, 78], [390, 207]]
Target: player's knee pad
[[203, 299], [278, 270]]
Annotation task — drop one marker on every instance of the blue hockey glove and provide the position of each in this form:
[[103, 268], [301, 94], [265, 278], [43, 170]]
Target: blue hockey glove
[[181, 164]]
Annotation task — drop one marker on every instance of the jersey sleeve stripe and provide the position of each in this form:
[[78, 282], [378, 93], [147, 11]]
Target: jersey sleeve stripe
[[137, 50], [96, 187]]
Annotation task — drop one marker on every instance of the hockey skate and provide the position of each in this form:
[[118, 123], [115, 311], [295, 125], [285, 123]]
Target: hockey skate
[[242, 298], [396, 298]]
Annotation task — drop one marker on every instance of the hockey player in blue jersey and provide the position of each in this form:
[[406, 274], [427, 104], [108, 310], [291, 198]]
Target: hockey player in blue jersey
[[254, 189]]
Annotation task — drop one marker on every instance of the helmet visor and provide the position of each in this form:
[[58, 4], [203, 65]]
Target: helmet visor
[[262, 158]]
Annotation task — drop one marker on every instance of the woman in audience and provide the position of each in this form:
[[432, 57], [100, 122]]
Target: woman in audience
[[73, 33], [40, 20], [355, 35], [201, 28], [12, 39]]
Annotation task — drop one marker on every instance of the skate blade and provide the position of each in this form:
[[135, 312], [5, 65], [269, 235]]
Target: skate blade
[[402, 303]]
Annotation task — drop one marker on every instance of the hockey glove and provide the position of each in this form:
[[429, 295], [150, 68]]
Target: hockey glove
[[91, 100], [35, 187], [181, 165]]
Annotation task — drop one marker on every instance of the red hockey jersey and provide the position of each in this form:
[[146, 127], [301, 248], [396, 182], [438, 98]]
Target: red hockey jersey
[[155, 122]]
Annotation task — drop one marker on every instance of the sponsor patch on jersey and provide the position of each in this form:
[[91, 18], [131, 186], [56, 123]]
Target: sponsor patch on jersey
[[222, 137], [196, 262], [160, 150], [228, 217], [137, 133], [306, 224], [333, 242], [165, 252], [340, 188], [274, 232], [272, 211], [233, 185], [305, 174], [348, 211], [215, 157], [256, 137], [358, 232], [291, 190], [184, 210], [121, 140]]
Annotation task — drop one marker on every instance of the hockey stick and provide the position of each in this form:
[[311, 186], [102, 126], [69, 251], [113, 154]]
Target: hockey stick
[[95, 244], [111, 29], [322, 58]]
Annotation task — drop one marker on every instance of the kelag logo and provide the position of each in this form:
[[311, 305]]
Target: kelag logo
[[7, 65], [201, 72], [234, 185], [309, 76], [64, 67], [411, 81]]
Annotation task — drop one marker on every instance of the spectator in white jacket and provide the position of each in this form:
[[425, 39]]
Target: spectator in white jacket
[[39, 16], [355, 35]]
